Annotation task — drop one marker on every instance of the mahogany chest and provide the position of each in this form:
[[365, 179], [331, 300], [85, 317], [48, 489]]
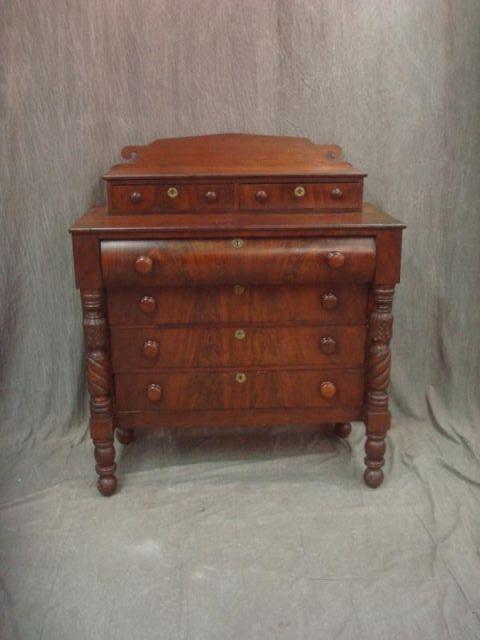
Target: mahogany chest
[[236, 280]]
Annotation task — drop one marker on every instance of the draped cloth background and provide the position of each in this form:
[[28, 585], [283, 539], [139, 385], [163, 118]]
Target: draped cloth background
[[268, 534]]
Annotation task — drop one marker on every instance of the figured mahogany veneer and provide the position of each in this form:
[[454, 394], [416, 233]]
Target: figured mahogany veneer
[[220, 346], [186, 263], [236, 280], [324, 303], [255, 389]]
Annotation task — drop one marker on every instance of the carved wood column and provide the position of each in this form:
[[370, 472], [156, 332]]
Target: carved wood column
[[377, 415], [99, 381]]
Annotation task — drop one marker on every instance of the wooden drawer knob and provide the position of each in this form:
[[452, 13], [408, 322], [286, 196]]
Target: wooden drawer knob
[[150, 348], [329, 301], [143, 264], [172, 192], [154, 392], [136, 197], [148, 304], [261, 196], [328, 345], [327, 390], [337, 194], [335, 259], [211, 197]]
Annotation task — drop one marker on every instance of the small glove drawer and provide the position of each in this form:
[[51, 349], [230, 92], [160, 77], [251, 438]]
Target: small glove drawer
[[321, 196], [185, 263], [169, 197]]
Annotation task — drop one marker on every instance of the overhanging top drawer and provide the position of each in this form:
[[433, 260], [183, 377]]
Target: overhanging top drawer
[[238, 260]]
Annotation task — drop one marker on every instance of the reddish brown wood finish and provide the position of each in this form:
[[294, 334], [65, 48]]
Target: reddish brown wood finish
[[241, 275], [187, 263], [171, 391], [329, 303], [99, 379], [218, 346], [322, 196]]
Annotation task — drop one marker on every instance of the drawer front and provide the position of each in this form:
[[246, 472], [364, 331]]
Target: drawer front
[[235, 389], [134, 349], [231, 261], [151, 198], [328, 196], [324, 304]]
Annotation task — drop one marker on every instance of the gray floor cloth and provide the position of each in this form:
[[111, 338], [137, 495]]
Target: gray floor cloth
[[234, 535]]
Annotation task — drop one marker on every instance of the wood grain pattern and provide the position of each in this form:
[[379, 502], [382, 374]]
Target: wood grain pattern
[[231, 154], [254, 316], [329, 303], [262, 389], [216, 262], [218, 346], [321, 196], [154, 198]]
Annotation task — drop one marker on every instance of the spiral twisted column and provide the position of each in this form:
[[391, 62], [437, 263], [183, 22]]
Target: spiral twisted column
[[99, 382], [377, 415]]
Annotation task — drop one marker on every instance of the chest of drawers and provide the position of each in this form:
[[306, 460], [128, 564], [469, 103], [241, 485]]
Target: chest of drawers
[[236, 280]]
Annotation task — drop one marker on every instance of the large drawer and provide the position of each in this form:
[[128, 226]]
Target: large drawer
[[237, 260], [327, 303], [234, 389], [170, 347]]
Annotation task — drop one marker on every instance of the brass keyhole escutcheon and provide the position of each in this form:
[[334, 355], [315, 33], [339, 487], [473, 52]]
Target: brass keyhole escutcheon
[[172, 192], [299, 192], [238, 289], [237, 243], [240, 377], [240, 334], [136, 197]]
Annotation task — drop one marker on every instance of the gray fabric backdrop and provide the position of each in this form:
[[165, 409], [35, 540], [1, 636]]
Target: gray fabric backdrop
[[397, 84]]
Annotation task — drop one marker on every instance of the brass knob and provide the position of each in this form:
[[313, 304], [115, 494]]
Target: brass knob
[[237, 243], [240, 377], [148, 304], [327, 390], [328, 345], [136, 197], [211, 197], [238, 289], [335, 259], [143, 264], [154, 392], [261, 196], [299, 192], [240, 334], [329, 301], [336, 193], [172, 192], [150, 348]]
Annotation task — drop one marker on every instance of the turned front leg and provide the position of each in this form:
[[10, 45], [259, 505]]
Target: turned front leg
[[99, 381], [377, 415]]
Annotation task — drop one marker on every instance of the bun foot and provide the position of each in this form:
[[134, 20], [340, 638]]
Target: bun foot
[[125, 436], [342, 429], [107, 485], [373, 477]]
